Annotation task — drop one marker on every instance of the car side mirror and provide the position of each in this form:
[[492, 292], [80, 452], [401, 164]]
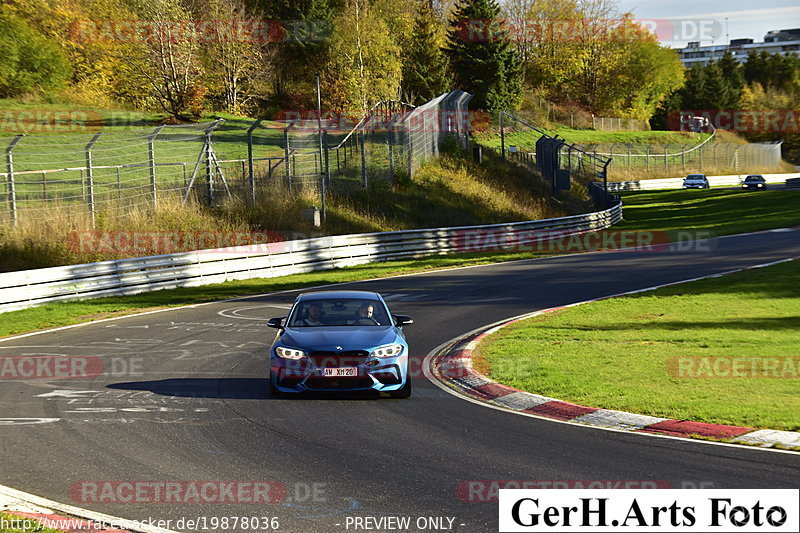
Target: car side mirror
[[402, 320], [275, 322]]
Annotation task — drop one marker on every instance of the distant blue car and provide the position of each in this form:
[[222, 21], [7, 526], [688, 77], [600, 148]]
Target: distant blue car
[[340, 341]]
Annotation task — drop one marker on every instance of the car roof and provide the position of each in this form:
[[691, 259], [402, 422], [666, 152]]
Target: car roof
[[695, 176], [755, 176], [344, 295]]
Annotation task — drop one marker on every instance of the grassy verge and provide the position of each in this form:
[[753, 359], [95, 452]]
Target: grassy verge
[[643, 211], [623, 353], [527, 139], [724, 212]]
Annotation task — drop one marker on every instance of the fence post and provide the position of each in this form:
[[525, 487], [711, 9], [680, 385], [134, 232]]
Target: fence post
[[209, 162], [683, 156], [151, 155], [390, 142], [250, 172], [326, 178], [10, 187], [361, 141], [44, 184], [90, 176], [286, 156], [119, 181], [502, 138], [647, 159], [209, 171], [666, 151]]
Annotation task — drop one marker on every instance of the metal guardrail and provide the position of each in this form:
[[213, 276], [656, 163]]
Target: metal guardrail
[[793, 183], [29, 288], [677, 183]]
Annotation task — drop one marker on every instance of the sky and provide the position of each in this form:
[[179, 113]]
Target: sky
[[704, 20]]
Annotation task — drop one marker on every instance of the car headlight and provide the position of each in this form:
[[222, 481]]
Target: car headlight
[[390, 350], [289, 353]]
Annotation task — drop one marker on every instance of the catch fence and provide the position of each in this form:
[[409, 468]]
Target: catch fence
[[113, 170]]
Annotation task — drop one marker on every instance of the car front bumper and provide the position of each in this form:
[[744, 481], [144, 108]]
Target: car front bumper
[[379, 374]]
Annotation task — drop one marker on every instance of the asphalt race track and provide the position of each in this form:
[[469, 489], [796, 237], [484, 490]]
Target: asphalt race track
[[196, 406]]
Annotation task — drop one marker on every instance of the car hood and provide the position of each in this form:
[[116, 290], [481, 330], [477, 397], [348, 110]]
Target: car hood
[[348, 337]]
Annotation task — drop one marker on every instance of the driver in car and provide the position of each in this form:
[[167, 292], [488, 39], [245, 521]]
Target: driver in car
[[364, 316], [314, 316]]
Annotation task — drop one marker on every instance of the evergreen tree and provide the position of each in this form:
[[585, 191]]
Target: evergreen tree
[[481, 57], [425, 66], [716, 92], [691, 94], [733, 73]]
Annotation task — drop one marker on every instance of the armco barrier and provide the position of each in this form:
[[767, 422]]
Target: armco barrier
[[28, 288], [793, 183], [677, 183]]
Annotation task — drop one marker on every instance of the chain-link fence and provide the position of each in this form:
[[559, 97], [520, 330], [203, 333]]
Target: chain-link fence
[[690, 156], [703, 153], [116, 170], [619, 124], [561, 164]]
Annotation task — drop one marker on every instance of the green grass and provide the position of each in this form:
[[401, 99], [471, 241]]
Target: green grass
[[724, 212], [616, 354], [27, 525], [66, 313], [527, 139]]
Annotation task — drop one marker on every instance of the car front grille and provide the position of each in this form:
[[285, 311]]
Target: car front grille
[[339, 383], [339, 359]]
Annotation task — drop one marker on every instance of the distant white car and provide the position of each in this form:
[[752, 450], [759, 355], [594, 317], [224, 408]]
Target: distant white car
[[696, 181]]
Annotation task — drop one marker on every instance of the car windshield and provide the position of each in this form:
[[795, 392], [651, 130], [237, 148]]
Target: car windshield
[[339, 312], [695, 177], [754, 178]]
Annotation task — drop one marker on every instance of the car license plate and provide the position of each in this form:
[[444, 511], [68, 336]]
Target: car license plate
[[341, 372]]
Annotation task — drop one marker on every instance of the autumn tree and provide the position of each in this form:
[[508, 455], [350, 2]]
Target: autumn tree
[[28, 61], [167, 62], [364, 66]]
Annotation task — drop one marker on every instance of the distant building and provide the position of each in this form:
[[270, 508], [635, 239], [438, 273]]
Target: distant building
[[775, 42]]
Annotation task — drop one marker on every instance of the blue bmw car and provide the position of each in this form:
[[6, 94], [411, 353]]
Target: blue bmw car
[[340, 341]]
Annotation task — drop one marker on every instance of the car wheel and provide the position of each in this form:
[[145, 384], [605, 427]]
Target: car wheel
[[404, 392]]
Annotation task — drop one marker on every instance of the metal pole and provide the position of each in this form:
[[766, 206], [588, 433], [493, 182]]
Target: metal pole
[[119, 182], [363, 159], [319, 121], [391, 150], [326, 178], [152, 158], [44, 184], [250, 172], [12, 191], [502, 138], [209, 154], [89, 176]]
